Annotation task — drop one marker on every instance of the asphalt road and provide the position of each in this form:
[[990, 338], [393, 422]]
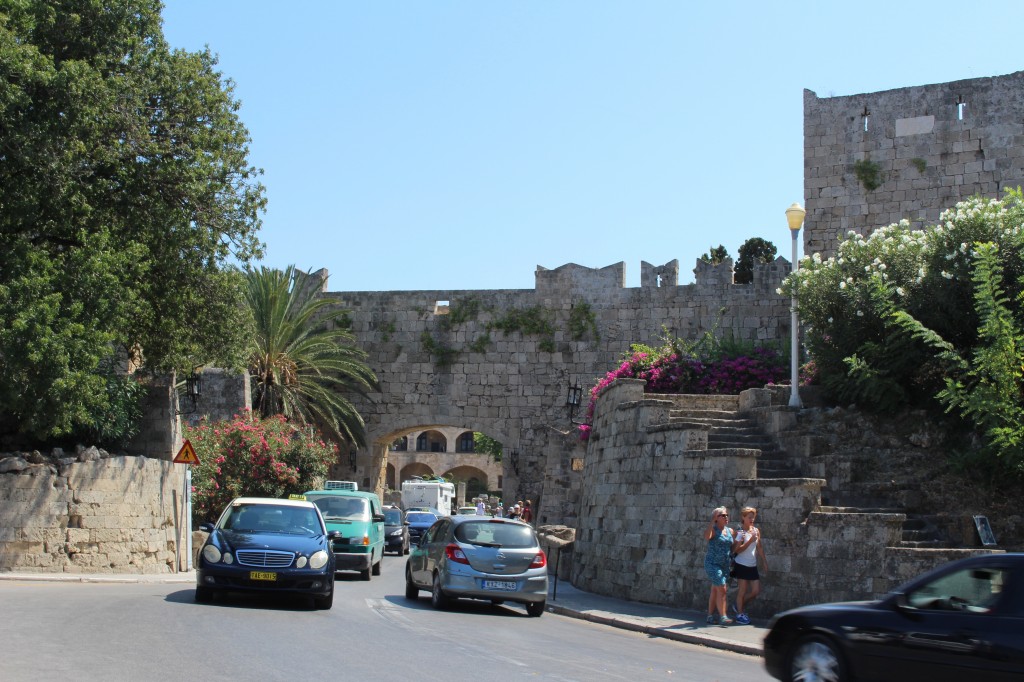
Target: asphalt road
[[109, 632]]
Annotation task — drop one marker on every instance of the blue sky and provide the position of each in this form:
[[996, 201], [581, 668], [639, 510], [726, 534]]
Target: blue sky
[[457, 145]]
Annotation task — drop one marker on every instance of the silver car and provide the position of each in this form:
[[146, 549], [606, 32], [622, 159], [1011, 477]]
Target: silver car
[[478, 557]]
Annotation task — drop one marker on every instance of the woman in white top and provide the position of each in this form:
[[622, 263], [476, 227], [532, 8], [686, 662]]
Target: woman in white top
[[747, 548]]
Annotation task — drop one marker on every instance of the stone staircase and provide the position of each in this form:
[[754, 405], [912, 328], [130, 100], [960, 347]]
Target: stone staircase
[[728, 428]]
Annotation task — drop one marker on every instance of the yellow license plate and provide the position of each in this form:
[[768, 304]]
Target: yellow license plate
[[260, 575]]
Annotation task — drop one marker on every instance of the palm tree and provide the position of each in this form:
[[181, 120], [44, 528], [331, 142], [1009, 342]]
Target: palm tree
[[304, 360]]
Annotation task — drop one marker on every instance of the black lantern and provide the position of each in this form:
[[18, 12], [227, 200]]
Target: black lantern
[[513, 459], [573, 400], [193, 390], [352, 458]]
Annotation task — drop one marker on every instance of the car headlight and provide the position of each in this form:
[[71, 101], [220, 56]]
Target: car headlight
[[228, 559], [396, 533], [211, 554], [300, 562], [318, 560]]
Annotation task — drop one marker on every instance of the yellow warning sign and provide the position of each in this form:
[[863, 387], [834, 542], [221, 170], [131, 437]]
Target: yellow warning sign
[[187, 454]]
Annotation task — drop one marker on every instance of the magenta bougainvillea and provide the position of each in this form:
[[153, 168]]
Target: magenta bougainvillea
[[250, 456], [671, 369]]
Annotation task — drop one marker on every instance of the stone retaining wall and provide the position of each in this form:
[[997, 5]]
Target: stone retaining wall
[[88, 513], [648, 491]]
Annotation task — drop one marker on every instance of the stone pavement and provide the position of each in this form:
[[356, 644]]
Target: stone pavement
[[563, 599]]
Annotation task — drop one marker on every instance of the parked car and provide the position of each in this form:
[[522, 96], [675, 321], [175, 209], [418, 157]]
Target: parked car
[[467, 511], [266, 545], [479, 557], [961, 621], [359, 518], [419, 522], [396, 531]]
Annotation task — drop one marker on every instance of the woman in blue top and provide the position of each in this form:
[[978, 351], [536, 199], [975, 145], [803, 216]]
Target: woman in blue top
[[716, 564]]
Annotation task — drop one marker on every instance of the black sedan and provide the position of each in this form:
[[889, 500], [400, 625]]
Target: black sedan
[[419, 522], [396, 531], [263, 545], [961, 621]]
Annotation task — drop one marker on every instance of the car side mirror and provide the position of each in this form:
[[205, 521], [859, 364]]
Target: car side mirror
[[900, 603], [378, 518], [334, 534], [206, 527]]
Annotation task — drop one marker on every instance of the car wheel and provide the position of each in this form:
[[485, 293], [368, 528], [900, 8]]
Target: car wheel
[[438, 599], [535, 608], [365, 574], [324, 603], [376, 567], [204, 595], [816, 658], [411, 591]]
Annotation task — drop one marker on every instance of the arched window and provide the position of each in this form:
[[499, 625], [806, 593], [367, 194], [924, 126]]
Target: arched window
[[465, 442], [400, 444], [422, 443]]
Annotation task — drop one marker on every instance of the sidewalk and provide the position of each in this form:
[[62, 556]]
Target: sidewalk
[[657, 621]]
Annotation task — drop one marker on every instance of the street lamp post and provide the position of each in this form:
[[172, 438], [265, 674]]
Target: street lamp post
[[795, 216]]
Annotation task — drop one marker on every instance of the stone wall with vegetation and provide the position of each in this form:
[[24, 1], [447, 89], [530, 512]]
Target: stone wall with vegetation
[[649, 487], [89, 512], [873, 159], [500, 361]]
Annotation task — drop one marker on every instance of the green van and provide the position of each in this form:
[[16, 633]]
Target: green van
[[359, 517]]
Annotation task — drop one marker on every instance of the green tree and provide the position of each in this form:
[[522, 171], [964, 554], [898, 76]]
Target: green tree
[[303, 360], [486, 445], [754, 250], [716, 255], [125, 188]]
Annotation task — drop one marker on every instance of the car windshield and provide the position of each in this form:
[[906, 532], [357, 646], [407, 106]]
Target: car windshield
[[269, 518], [420, 517], [495, 534], [393, 517], [338, 508]]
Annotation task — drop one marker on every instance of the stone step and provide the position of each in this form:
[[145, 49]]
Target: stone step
[[832, 509]]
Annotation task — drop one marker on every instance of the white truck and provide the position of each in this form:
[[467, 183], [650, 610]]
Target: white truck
[[434, 494]]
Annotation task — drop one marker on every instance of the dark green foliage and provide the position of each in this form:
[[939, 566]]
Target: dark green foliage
[[868, 173], [716, 256], [754, 250], [486, 445], [444, 356], [583, 320], [125, 188]]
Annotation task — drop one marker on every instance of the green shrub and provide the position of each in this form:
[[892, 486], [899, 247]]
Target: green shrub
[[250, 456]]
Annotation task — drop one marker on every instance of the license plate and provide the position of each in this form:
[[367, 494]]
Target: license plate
[[503, 585], [260, 575]]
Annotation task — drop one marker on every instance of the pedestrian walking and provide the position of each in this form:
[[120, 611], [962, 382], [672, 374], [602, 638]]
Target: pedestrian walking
[[527, 513], [720, 539], [481, 508], [747, 547]]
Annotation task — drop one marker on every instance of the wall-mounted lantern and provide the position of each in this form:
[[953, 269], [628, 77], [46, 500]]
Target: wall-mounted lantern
[[513, 459], [193, 391], [352, 451], [573, 399]]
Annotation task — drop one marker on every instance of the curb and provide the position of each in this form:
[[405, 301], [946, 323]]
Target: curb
[[703, 640], [182, 578]]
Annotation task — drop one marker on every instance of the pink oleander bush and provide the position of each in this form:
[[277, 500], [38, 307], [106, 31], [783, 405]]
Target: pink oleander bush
[[705, 367], [252, 456]]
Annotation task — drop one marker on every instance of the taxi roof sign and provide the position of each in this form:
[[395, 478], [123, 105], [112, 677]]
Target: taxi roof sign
[[296, 497], [187, 454]]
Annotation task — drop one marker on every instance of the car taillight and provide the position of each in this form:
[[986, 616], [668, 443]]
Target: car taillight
[[539, 561], [455, 553]]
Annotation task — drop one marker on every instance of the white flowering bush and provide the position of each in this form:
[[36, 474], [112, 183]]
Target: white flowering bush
[[895, 319]]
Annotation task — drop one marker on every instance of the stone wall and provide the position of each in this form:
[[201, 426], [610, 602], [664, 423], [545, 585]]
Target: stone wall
[[89, 512], [441, 362], [649, 487], [932, 146]]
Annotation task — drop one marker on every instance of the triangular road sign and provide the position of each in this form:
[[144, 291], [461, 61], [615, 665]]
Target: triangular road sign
[[187, 454]]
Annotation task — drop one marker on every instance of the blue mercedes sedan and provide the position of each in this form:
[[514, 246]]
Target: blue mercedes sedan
[[265, 545]]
